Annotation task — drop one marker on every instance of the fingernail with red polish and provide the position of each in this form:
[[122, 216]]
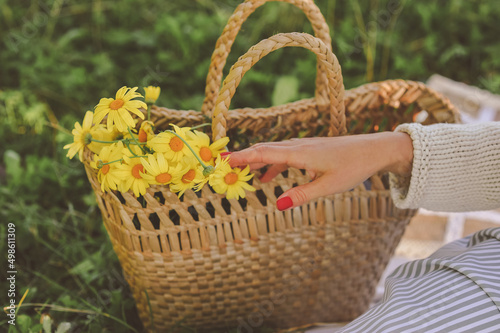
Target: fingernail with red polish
[[284, 203], [224, 154]]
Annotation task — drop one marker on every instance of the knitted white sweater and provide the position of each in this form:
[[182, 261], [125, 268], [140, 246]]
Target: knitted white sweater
[[455, 168]]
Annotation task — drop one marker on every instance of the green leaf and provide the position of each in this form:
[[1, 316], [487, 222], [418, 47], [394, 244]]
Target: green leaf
[[452, 52], [13, 168], [87, 269], [47, 324], [24, 323], [70, 36], [63, 327], [36, 328], [285, 90]]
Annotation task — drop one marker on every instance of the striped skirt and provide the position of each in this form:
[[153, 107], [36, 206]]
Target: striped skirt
[[456, 289]]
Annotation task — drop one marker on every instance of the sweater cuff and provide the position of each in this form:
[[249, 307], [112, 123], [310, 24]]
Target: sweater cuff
[[456, 168], [407, 191]]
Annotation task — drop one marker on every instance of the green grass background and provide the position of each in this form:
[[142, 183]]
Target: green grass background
[[58, 58]]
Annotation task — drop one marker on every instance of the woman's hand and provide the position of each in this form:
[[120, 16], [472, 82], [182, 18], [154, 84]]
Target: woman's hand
[[336, 164]]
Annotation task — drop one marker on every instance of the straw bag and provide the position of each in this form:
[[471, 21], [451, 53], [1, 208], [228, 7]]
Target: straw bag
[[209, 262]]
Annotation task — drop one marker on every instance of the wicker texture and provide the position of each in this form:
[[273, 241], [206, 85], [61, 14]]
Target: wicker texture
[[321, 260], [212, 262], [327, 61], [225, 41]]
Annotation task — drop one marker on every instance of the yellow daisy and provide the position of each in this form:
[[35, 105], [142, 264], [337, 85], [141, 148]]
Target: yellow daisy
[[116, 134], [146, 132], [118, 109], [107, 175], [131, 174], [190, 178], [101, 134], [206, 151], [134, 147], [159, 171], [172, 146], [82, 136], [230, 181], [151, 94], [220, 165], [130, 135]]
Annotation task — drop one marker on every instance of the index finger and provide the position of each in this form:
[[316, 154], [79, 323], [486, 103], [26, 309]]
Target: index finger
[[260, 155]]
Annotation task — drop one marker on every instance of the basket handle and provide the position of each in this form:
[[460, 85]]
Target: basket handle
[[326, 58], [225, 41]]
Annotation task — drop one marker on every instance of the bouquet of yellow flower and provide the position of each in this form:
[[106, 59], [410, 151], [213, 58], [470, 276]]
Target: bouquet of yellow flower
[[129, 158]]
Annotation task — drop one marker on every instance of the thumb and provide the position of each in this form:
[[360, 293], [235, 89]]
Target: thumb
[[300, 195]]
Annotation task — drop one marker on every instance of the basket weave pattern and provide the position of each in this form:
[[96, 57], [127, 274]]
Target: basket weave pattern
[[321, 260], [213, 262]]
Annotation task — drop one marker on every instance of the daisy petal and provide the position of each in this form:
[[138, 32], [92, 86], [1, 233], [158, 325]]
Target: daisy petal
[[121, 92], [87, 120]]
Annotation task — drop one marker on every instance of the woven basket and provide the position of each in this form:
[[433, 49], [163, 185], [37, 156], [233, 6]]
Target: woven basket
[[209, 262]]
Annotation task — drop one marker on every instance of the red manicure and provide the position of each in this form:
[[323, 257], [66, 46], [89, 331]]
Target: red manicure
[[284, 203], [224, 154]]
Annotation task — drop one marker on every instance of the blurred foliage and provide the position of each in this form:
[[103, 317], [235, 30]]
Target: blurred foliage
[[58, 57]]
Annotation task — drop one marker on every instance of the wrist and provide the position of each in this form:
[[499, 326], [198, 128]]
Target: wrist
[[399, 147]]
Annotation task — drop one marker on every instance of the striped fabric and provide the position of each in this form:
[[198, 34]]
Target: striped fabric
[[456, 289]]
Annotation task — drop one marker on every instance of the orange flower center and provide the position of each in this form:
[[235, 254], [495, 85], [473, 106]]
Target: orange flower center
[[136, 169], [163, 178], [231, 178], [188, 176], [205, 154], [105, 168], [143, 136], [176, 144], [116, 104]]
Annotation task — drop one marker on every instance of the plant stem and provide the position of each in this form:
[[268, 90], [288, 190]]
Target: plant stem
[[58, 127], [199, 126], [101, 141], [121, 159], [367, 47], [122, 140], [330, 15], [54, 307], [94, 308], [150, 311], [127, 143], [187, 144], [384, 68], [135, 141]]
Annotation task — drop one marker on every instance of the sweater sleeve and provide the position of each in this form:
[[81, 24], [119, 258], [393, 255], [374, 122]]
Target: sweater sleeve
[[456, 168]]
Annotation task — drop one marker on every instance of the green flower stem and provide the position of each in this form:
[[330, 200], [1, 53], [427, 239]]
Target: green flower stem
[[206, 168], [100, 165], [135, 141], [200, 126], [101, 141], [127, 143], [103, 164], [122, 140], [150, 309]]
